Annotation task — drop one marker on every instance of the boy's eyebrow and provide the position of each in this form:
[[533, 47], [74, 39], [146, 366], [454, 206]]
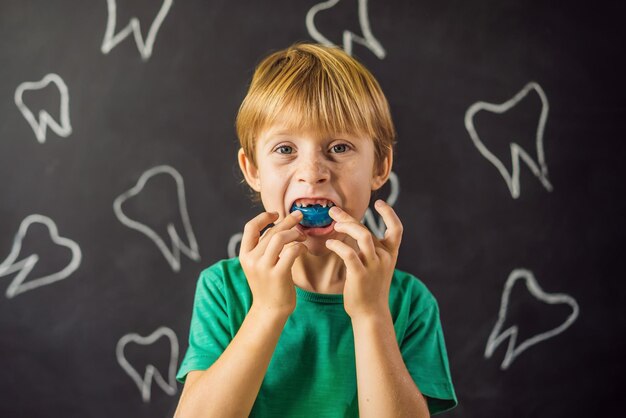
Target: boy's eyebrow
[[283, 132], [266, 139], [275, 135]]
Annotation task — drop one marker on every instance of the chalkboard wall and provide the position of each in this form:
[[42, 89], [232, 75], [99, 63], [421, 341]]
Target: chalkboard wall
[[119, 184]]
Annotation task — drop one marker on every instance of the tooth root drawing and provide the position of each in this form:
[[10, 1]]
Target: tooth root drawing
[[539, 169], [233, 244], [111, 39], [39, 126], [151, 373], [368, 40], [378, 227], [172, 256], [25, 266], [498, 336]]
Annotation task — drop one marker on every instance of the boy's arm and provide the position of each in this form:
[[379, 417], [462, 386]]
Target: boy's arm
[[385, 387], [230, 386]]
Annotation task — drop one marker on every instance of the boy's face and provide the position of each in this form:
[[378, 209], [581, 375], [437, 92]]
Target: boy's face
[[294, 165]]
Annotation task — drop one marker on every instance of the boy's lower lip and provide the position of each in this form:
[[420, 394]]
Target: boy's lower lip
[[317, 232]]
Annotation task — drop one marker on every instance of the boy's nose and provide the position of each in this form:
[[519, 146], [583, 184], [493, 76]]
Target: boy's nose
[[313, 172]]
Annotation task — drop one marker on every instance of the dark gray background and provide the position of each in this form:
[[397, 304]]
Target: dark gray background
[[464, 233]]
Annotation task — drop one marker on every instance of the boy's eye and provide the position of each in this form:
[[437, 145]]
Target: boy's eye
[[339, 148], [284, 149]]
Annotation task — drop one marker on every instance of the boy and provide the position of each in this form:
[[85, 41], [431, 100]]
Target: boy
[[314, 321]]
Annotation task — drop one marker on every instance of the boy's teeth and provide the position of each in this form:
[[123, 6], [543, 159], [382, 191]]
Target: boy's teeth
[[323, 203]]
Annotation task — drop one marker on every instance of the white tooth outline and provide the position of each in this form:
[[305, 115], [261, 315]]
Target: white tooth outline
[[368, 40], [111, 39], [369, 219], [512, 180], [233, 242], [45, 119], [145, 384], [497, 337], [172, 257], [25, 266]]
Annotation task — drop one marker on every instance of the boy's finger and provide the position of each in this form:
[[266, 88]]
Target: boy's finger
[[252, 230], [288, 256], [266, 228], [341, 215], [279, 241], [286, 224], [361, 235], [290, 220], [393, 234], [347, 254]]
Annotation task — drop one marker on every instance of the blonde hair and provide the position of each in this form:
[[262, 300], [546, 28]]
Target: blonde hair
[[320, 88]]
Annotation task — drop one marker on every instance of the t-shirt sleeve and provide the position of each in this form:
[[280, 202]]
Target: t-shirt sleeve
[[209, 333], [424, 352]]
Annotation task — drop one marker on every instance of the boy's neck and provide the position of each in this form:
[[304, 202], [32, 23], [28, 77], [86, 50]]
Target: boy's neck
[[319, 274]]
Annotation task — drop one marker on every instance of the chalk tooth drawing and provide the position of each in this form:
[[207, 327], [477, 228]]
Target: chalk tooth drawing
[[25, 266], [233, 244], [498, 336], [173, 256], [39, 126], [378, 227], [374, 223], [540, 169], [111, 39], [151, 373], [368, 40]]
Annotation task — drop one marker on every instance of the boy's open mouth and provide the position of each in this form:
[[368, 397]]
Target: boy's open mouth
[[314, 211]]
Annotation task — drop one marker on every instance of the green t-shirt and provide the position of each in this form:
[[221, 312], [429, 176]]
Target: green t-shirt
[[312, 372]]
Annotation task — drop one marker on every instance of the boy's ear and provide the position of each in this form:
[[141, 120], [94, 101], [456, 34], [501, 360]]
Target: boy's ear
[[382, 171], [249, 170]]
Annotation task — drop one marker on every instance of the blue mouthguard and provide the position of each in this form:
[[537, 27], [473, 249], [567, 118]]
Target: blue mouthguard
[[314, 216]]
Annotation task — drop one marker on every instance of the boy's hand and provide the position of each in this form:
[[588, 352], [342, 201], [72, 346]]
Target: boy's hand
[[267, 261], [370, 266]]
